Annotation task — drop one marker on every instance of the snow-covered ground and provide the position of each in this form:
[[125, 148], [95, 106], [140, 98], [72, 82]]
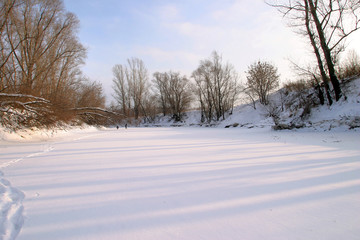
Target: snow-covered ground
[[182, 183]]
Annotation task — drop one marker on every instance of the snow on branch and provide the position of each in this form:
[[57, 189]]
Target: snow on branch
[[94, 109], [24, 110], [96, 115], [15, 95]]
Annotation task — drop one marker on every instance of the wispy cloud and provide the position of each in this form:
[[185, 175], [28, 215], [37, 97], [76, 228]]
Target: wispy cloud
[[167, 12], [243, 31], [176, 35]]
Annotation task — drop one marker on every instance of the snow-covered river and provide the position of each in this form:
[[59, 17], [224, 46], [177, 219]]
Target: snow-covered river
[[182, 183]]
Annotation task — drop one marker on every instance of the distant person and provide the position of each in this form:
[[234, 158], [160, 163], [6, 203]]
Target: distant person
[[117, 127], [125, 125]]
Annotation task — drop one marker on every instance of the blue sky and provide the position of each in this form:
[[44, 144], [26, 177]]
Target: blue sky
[[177, 34]]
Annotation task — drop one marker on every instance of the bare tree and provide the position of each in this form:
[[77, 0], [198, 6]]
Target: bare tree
[[328, 23], [311, 74], [6, 8], [40, 58], [217, 87], [42, 49], [121, 88], [262, 79], [149, 107], [312, 38], [174, 93], [131, 86], [178, 94], [160, 82], [137, 77]]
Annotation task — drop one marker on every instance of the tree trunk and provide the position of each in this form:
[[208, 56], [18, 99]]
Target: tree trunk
[[317, 53], [327, 52]]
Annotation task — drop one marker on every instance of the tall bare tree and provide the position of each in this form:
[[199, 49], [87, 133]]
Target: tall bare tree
[[328, 23], [6, 8], [40, 58], [40, 50], [217, 87], [131, 85], [137, 78], [160, 81], [174, 92], [121, 88]]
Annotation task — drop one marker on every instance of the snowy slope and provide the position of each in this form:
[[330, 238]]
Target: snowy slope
[[342, 113], [187, 183]]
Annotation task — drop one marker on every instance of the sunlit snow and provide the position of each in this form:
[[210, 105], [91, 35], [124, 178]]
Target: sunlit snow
[[184, 183]]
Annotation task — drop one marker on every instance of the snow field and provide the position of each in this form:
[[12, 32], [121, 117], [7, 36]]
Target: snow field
[[188, 183]]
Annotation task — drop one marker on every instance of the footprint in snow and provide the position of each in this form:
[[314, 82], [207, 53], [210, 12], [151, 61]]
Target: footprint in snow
[[11, 210]]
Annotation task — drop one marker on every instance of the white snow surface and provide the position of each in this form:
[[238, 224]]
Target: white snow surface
[[181, 183]]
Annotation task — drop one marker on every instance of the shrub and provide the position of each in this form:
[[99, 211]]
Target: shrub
[[297, 86], [350, 67], [262, 79]]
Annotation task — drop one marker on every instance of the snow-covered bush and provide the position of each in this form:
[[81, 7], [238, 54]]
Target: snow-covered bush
[[17, 110]]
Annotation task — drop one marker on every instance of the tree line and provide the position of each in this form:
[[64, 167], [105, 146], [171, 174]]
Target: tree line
[[41, 82], [214, 85]]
